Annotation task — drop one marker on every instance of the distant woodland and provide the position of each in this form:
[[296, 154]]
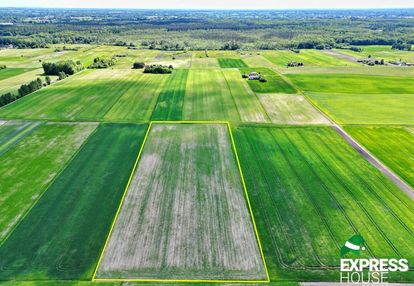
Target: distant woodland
[[197, 30]]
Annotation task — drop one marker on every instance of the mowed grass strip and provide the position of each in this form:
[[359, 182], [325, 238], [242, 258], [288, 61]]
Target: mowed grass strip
[[290, 109], [307, 57], [353, 83], [247, 103], [275, 83], [63, 235], [231, 63], [12, 132], [351, 108], [184, 215], [203, 63], [137, 103], [85, 96], [208, 97], [393, 145], [29, 166], [310, 192], [12, 84], [171, 99], [11, 72]]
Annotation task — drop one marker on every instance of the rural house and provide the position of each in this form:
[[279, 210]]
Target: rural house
[[254, 76]]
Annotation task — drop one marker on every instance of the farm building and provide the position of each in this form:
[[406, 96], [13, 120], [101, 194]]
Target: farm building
[[254, 76]]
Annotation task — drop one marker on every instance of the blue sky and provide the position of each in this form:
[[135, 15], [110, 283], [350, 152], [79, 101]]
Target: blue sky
[[210, 4]]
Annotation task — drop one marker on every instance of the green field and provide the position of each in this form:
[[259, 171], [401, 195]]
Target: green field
[[203, 63], [310, 191], [247, 103], [89, 96], [307, 57], [11, 72], [184, 215], [349, 108], [274, 84], [12, 132], [392, 145], [349, 83], [257, 60], [381, 52], [231, 63], [290, 109], [171, 99], [62, 236], [137, 103], [30, 165], [207, 97], [13, 83]]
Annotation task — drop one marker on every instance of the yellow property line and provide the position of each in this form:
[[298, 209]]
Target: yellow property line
[[94, 278]]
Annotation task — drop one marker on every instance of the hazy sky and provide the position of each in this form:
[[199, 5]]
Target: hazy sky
[[203, 4]]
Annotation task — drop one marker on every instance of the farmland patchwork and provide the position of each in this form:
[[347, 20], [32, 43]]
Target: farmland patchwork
[[184, 216]]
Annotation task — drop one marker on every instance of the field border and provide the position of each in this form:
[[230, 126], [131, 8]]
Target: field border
[[227, 123]]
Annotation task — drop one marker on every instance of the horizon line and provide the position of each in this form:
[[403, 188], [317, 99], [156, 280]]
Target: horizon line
[[216, 8]]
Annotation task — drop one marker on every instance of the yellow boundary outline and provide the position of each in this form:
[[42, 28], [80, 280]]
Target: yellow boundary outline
[[227, 123]]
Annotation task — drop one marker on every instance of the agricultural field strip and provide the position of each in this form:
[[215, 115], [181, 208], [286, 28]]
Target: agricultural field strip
[[291, 109], [11, 219], [69, 209], [11, 84], [170, 102], [396, 164], [374, 161], [129, 182], [138, 102], [392, 170], [66, 100], [207, 97], [12, 132], [247, 103], [12, 72], [372, 192]]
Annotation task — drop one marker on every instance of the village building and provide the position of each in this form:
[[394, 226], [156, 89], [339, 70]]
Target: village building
[[254, 76]]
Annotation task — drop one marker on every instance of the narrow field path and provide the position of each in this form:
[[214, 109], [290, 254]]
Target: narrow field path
[[375, 162], [341, 56]]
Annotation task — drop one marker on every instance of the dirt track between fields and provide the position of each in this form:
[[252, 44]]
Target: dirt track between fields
[[375, 162]]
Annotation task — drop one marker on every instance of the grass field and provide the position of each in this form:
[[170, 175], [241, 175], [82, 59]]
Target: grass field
[[310, 191], [274, 84], [184, 215], [89, 96], [290, 109], [349, 108], [247, 103], [13, 83], [381, 52], [31, 164], [358, 70], [349, 83], [62, 236], [11, 72], [394, 146], [138, 102], [307, 57], [207, 97], [255, 59], [12, 132], [171, 99], [203, 63], [231, 63]]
